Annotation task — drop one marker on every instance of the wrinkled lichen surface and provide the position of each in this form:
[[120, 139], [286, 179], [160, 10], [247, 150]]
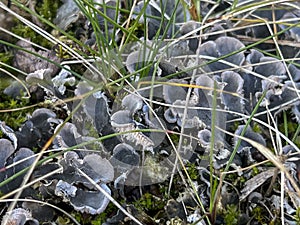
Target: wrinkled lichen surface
[[118, 112]]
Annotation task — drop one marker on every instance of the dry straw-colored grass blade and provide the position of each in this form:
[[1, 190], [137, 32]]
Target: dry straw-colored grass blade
[[270, 156]]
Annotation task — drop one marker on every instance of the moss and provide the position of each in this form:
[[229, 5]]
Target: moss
[[62, 53], [231, 177], [5, 82], [47, 8], [149, 202], [87, 219], [176, 221], [297, 216], [291, 127], [231, 214], [192, 170], [99, 219], [255, 171], [256, 128], [174, 137], [137, 30], [259, 215], [63, 220], [6, 57], [234, 126], [14, 119], [297, 141], [27, 32]]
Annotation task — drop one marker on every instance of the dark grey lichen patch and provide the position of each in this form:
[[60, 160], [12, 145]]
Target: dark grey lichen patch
[[89, 201], [28, 62], [39, 127], [294, 32], [162, 9], [232, 97], [124, 158], [7, 150], [67, 14], [222, 47], [18, 160], [86, 198], [214, 99], [94, 110], [68, 136], [10, 133], [248, 134], [64, 77], [123, 122]]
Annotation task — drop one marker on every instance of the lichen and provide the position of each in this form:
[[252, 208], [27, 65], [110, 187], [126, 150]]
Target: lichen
[[165, 59]]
